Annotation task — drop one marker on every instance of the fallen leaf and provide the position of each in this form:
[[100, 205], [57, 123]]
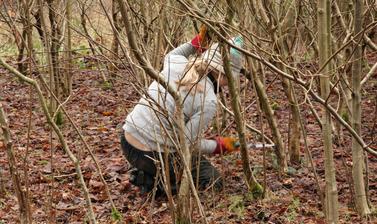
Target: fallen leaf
[[95, 184], [107, 113]]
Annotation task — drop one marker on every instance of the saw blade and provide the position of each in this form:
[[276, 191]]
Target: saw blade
[[259, 145]]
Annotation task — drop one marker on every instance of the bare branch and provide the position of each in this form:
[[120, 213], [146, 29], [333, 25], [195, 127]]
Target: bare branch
[[57, 130]]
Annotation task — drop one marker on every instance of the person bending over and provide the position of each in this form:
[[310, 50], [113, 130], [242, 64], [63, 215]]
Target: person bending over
[[149, 133]]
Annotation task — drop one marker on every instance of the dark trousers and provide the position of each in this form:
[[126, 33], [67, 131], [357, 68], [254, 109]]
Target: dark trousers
[[203, 173]]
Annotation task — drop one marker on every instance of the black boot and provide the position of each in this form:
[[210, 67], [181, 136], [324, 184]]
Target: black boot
[[142, 180]]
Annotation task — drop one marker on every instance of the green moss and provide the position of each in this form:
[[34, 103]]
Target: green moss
[[274, 159], [106, 85], [345, 116], [84, 49], [291, 213], [115, 214], [59, 119], [256, 190], [291, 171], [237, 205], [8, 49], [43, 162], [257, 170], [373, 211], [274, 105]]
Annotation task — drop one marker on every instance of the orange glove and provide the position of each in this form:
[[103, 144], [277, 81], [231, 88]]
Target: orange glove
[[226, 145], [202, 40]]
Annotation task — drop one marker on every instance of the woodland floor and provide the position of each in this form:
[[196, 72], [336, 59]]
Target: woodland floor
[[98, 112]]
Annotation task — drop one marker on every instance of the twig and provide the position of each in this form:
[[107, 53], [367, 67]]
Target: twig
[[309, 155], [370, 43], [247, 125], [21, 197], [98, 168], [263, 141], [59, 134], [177, 98], [369, 74], [25, 159], [251, 181], [196, 13]]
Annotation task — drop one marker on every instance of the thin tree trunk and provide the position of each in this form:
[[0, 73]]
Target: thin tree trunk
[[58, 132], [267, 110], [38, 24], [19, 37], [20, 59], [68, 48], [54, 51], [26, 35], [98, 168], [28, 5], [344, 71], [184, 205], [29, 31], [294, 124], [357, 153], [2, 183], [331, 193], [281, 36], [114, 54], [195, 11], [25, 216], [159, 43], [286, 41], [47, 46], [251, 181], [184, 208], [92, 48]]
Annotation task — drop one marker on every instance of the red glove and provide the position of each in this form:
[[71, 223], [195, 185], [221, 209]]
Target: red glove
[[201, 41], [226, 145]]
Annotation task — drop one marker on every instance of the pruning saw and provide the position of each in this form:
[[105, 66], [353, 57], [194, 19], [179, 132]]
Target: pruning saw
[[259, 145]]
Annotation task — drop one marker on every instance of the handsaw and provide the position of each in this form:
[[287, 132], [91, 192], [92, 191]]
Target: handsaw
[[259, 145]]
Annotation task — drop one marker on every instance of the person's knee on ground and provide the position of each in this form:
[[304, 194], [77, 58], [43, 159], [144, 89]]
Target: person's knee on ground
[[211, 181], [206, 175]]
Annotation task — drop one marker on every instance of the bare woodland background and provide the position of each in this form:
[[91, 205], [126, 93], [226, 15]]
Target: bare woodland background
[[72, 69]]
